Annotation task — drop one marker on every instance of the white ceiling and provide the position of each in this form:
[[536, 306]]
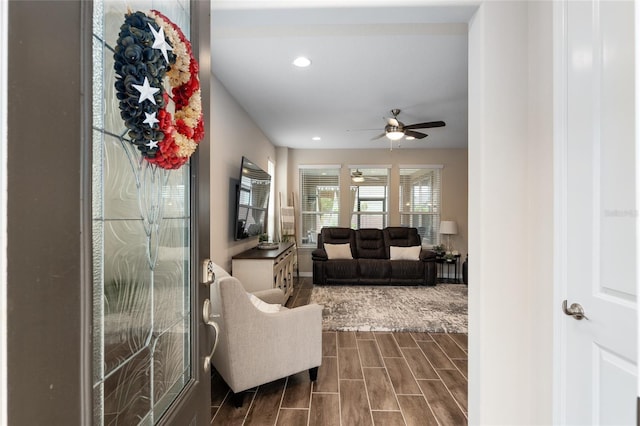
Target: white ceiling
[[365, 61]]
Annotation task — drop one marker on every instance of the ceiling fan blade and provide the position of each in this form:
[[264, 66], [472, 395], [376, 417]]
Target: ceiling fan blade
[[416, 135], [426, 125], [378, 137]]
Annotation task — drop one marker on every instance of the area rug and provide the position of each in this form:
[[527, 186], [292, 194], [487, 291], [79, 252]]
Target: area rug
[[438, 309]]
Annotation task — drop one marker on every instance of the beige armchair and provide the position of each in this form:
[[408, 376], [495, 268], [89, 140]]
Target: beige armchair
[[255, 347]]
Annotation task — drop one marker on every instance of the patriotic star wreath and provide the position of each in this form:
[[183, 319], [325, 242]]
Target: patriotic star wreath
[[148, 67]]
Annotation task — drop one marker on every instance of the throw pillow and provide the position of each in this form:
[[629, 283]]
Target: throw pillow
[[264, 306], [405, 253], [338, 251]]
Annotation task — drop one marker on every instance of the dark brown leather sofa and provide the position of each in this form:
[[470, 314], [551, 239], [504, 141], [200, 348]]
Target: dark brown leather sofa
[[371, 263]]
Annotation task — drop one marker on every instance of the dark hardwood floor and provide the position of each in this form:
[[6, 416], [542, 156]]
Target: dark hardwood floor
[[365, 378]]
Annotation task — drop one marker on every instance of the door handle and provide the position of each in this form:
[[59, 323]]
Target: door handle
[[575, 310], [206, 318]]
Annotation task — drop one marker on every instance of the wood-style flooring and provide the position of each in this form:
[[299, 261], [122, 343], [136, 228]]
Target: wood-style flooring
[[365, 378]]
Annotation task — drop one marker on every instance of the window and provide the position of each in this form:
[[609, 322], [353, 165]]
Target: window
[[369, 198], [319, 200], [420, 200]]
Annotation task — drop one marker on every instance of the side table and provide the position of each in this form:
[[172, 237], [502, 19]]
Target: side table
[[451, 260]]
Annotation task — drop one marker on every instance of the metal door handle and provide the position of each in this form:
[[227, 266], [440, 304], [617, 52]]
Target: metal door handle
[[206, 317], [575, 310]]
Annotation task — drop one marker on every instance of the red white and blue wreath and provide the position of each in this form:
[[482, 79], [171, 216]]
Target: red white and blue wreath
[[154, 65]]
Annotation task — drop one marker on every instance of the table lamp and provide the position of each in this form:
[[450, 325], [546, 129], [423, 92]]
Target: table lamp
[[448, 228]]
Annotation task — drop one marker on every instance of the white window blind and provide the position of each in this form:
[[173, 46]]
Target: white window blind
[[369, 198], [319, 200], [420, 198]]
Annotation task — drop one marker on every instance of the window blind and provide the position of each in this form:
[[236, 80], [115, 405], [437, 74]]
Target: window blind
[[369, 198], [319, 200], [420, 201]]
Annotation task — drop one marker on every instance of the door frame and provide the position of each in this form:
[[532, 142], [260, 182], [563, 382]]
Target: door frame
[[198, 391], [4, 35]]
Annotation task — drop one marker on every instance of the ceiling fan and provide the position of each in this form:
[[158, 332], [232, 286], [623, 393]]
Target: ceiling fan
[[357, 176], [395, 129]]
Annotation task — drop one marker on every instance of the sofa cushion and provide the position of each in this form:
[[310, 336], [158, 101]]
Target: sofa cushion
[[404, 270], [338, 251], [337, 235], [341, 270], [264, 306], [405, 253], [370, 244], [400, 236], [374, 271]]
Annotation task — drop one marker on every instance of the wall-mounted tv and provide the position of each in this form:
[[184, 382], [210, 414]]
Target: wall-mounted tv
[[252, 200]]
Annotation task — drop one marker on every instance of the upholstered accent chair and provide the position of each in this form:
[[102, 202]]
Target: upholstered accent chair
[[257, 345]]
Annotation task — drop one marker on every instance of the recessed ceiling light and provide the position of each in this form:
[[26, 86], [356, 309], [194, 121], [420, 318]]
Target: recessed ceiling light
[[316, 138], [301, 62]]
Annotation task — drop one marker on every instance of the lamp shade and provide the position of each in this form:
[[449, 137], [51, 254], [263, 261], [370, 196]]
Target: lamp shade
[[448, 227]]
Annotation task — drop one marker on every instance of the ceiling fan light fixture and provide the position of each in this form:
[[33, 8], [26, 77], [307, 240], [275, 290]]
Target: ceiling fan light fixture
[[357, 176], [395, 135], [409, 138]]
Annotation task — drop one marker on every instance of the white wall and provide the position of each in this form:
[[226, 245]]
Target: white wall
[[510, 214], [233, 135]]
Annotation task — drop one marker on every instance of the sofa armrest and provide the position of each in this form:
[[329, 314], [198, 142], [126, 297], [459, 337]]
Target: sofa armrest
[[319, 254], [273, 295], [427, 255]]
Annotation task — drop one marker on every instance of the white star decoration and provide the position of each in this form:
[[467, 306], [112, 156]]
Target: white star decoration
[[146, 91], [151, 119], [160, 42], [152, 144]]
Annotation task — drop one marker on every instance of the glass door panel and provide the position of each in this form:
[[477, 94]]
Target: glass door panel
[[142, 327]]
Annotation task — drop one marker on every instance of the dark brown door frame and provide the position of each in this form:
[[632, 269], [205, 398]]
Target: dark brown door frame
[[48, 213]]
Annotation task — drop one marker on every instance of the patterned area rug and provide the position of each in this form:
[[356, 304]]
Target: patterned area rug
[[439, 309]]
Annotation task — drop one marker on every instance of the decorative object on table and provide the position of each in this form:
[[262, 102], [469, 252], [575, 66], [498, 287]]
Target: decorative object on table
[[266, 245], [393, 308], [156, 73], [448, 228], [439, 249]]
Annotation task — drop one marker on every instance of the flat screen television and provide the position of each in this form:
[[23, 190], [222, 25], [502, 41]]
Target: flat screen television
[[252, 197]]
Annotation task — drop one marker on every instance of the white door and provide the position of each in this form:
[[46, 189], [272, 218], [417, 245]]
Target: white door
[[596, 202]]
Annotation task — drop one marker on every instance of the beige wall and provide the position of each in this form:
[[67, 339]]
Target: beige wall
[[454, 181], [233, 134]]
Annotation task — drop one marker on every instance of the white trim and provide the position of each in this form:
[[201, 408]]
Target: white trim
[[637, 145], [560, 83], [319, 166], [4, 41], [420, 166], [369, 166]]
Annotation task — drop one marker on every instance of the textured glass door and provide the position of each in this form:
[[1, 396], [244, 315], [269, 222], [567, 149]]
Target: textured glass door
[[142, 251]]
